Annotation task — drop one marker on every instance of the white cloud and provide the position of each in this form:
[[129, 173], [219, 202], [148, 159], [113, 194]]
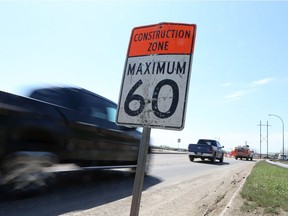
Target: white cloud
[[261, 82], [240, 93], [235, 94]]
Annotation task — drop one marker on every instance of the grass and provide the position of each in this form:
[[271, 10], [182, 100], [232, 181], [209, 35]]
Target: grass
[[266, 187]]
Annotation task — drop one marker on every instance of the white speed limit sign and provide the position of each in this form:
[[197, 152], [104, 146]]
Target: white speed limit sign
[[156, 76]]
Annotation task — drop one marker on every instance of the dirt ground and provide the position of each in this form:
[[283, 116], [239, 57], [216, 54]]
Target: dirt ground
[[216, 194]]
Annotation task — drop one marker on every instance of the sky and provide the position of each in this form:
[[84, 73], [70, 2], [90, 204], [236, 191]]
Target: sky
[[239, 71]]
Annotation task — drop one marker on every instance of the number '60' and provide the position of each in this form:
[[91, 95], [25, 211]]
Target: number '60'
[[136, 97]]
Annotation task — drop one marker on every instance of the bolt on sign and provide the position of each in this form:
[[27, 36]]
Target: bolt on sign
[[156, 76]]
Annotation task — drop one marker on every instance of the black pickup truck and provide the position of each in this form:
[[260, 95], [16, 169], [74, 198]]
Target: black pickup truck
[[206, 148], [60, 125]]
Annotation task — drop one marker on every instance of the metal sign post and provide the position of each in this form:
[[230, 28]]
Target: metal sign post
[[140, 172]]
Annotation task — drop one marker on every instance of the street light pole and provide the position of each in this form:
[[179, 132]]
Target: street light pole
[[282, 129]]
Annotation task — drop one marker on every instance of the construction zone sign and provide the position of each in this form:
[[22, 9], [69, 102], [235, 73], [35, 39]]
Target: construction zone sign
[[156, 76]]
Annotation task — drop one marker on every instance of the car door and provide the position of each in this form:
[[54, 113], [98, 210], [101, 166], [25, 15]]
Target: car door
[[219, 150], [96, 137]]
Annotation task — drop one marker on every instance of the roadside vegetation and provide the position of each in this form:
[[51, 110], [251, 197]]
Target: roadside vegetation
[[168, 148], [267, 188]]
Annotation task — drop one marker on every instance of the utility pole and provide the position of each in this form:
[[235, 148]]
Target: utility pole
[[263, 138], [267, 140]]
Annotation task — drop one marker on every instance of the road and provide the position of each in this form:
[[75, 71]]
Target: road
[[173, 168], [83, 190]]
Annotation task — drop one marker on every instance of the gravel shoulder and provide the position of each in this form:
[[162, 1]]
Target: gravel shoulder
[[213, 194]]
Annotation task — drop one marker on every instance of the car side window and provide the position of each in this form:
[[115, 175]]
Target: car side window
[[218, 145], [111, 114], [100, 108], [98, 112]]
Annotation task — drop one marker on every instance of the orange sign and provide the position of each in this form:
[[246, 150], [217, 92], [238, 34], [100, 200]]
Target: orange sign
[[163, 38]]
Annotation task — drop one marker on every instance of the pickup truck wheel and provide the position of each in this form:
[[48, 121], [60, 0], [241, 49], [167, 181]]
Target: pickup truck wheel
[[25, 174], [191, 158], [213, 159], [222, 158]]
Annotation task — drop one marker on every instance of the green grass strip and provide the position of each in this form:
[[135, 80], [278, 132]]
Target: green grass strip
[[267, 186]]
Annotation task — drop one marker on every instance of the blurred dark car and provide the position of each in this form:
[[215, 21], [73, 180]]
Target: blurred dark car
[[60, 125]]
